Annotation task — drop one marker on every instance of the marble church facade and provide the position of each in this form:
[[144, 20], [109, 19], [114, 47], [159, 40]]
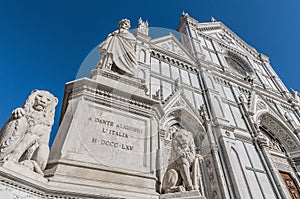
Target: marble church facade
[[200, 116]]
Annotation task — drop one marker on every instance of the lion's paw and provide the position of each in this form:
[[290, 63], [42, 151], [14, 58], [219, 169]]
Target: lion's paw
[[18, 113]]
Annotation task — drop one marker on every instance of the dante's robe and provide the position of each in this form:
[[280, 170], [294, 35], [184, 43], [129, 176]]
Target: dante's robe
[[120, 46]]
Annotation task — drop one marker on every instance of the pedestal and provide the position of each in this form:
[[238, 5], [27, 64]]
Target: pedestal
[[105, 144], [183, 195], [18, 181], [21, 171]]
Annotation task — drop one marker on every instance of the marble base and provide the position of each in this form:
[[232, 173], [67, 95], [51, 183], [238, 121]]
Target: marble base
[[22, 172], [183, 195], [103, 142]]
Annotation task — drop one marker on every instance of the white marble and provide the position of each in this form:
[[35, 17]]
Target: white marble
[[25, 137]]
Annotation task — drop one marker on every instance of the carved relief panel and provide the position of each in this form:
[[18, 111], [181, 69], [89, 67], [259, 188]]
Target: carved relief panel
[[290, 185]]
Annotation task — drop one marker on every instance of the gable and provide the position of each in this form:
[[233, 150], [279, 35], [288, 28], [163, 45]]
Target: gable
[[266, 115], [179, 100], [259, 106], [226, 37], [178, 108], [171, 44]]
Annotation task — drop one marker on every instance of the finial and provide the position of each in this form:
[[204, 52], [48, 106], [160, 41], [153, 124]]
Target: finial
[[295, 95], [140, 20], [142, 27], [213, 19], [157, 95], [185, 14]]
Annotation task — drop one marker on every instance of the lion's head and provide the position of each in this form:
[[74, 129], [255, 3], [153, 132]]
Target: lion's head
[[183, 146], [43, 102], [183, 138]]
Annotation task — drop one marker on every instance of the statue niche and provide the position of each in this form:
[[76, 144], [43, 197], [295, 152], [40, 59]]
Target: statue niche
[[183, 172], [25, 136], [118, 51]]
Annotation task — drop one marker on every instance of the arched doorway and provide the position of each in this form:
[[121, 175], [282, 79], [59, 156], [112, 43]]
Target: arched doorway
[[281, 146]]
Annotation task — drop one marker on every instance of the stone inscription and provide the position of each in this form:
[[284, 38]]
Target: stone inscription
[[116, 131], [113, 138], [112, 144]]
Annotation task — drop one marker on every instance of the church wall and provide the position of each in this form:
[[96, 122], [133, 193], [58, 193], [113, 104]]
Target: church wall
[[227, 91]]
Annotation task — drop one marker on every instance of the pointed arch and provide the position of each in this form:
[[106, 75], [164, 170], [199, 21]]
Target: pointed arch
[[260, 107], [142, 56], [237, 59], [181, 116], [141, 74], [178, 110], [210, 82], [239, 173], [218, 109], [186, 119], [280, 131]]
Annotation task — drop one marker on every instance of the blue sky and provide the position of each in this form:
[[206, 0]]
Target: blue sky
[[43, 43]]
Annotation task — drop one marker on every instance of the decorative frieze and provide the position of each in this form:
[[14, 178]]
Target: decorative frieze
[[280, 132]]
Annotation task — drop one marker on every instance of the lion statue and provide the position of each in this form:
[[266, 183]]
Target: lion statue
[[183, 172], [25, 136]]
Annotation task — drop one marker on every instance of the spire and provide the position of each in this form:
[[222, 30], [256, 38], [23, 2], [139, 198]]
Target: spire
[[142, 27], [185, 14]]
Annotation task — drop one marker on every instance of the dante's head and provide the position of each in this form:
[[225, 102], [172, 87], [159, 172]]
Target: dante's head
[[124, 24]]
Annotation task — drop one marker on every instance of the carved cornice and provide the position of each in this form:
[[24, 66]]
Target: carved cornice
[[228, 128], [243, 137], [23, 190], [209, 28], [93, 91], [108, 94], [136, 82], [171, 57], [231, 49], [222, 81]]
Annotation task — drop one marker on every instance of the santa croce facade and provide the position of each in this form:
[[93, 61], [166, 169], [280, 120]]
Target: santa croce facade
[[200, 116]]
